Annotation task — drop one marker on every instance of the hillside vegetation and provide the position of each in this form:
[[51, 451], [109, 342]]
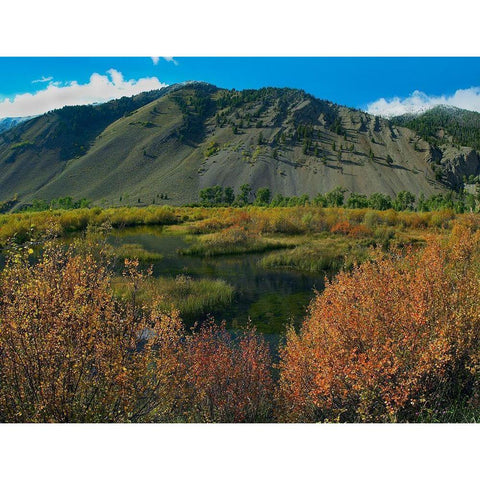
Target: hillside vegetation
[[454, 138], [164, 147]]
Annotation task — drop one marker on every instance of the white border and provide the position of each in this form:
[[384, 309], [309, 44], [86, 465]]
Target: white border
[[247, 28]]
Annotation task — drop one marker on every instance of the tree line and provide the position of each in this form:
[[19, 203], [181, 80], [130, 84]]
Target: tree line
[[218, 196]]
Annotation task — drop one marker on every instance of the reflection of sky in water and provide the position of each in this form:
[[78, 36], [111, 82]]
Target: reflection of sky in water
[[271, 298]]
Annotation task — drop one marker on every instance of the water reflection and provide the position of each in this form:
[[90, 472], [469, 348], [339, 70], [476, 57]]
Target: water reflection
[[270, 298]]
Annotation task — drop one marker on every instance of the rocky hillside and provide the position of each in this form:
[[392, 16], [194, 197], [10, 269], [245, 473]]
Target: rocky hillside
[[174, 142], [454, 138]]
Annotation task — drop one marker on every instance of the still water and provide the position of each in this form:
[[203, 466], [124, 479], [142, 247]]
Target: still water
[[270, 298]]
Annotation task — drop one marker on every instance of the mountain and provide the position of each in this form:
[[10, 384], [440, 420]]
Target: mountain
[[454, 138], [9, 122], [176, 141]]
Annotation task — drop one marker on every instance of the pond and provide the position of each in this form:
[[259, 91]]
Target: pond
[[270, 298]]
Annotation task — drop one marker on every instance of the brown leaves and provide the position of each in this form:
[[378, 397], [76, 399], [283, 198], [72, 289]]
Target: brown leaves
[[71, 352], [227, 379], [384, 340]]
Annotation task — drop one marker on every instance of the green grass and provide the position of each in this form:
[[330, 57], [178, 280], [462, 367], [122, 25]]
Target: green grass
[[319, 255], [135, 250], [458, 412], [192, 297], [232, 241]]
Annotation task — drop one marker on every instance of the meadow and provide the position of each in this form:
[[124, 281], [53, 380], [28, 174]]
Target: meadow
[[91, 332]]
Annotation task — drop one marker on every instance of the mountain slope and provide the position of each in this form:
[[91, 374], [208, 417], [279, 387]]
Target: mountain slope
[[10, 122], [178, 140], [454, 138]]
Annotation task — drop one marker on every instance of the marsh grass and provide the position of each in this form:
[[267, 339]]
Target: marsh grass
[[135, 250], [24, 225], [233, 240], [198, 220], [319, 255], [192, 297]]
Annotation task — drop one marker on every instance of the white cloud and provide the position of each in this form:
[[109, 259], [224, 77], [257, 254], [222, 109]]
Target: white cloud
[[42, 80], [100, 88], [171, 59], [468, 99], [155, 60]]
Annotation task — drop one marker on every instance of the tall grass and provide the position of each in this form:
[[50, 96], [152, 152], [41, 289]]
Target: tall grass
[[232, 240], [325, 255], [191, 297], [135, 250], [24, 225], [260, 220]]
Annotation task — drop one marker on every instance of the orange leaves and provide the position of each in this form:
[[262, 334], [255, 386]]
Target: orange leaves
[[397, 336], [228, 380], [386, 336], [71, 352], [355, 231]]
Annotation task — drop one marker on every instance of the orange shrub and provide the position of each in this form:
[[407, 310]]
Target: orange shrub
[[346, 228], [392, 339], [69, 352], [227, 379], [343, 227]]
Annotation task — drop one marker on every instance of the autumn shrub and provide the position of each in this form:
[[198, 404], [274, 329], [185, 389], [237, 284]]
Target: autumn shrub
[[389, 341], [342, 227], [227, 379], [284, 223], [468, 220], [418, 220], [356, 231], [69, 352]]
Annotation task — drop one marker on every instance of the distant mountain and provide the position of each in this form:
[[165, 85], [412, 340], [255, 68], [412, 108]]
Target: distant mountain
[[10, 122], [454, 138], [175, 141], [445, 124]]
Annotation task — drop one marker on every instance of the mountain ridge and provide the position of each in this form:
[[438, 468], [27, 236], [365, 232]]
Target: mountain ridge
[[178, 140]]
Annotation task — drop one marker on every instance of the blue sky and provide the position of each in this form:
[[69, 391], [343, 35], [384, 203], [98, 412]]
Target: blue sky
[[381, 85]]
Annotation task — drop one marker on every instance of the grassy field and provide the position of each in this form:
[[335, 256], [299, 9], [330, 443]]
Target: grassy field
[[263, 220], [135, 250]]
